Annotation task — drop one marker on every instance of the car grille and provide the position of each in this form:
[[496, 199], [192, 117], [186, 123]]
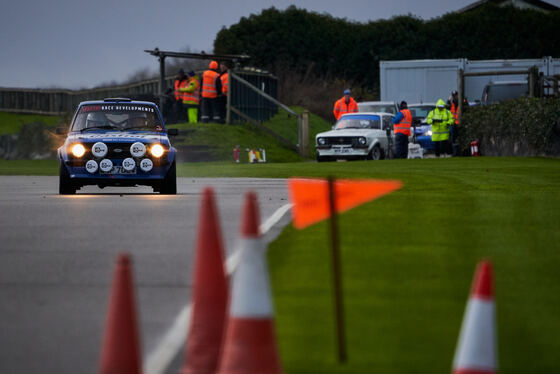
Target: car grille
[[342, 140], [118, 150]]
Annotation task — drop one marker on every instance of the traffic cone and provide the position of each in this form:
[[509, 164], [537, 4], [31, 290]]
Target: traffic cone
[[477, 347], [120, 353], [210, 294], [250, 340]]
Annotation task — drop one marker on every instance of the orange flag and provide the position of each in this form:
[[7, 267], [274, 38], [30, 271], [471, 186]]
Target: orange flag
[[311, 196]]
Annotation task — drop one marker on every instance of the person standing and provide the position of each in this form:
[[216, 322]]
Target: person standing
[[211, 85], [191, 97], [344, 105], [401, 127], [453, 103], [224, 80], [440, 118], [180, 82]]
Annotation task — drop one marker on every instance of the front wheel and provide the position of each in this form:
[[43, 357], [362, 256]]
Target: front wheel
[[375, 153], [65, 184], [169, 183]]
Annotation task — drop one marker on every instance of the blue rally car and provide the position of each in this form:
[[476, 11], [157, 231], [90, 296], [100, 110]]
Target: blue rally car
[[117, 142]]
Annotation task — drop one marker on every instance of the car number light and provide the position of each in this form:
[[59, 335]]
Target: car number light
[[78, 150], [99, 149], [137, 149], [91, 166], [128, 164], [146, 165], [106, 165], [157, 150]]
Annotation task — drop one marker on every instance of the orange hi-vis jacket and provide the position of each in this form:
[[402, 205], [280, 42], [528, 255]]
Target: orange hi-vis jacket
[[224, 78], [192, 97], [178, 85], [455, 111], [403, 127], [340, 107], [209, 84]]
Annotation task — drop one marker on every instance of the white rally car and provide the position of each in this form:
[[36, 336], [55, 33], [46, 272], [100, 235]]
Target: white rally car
[[360, 136]]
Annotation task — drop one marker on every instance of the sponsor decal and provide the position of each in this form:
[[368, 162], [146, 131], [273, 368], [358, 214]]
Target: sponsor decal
[[130, 108]]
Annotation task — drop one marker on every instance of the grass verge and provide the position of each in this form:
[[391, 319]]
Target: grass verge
[[10, 123], [408, 261]]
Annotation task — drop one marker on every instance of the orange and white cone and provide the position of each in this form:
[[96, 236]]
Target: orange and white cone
[[210, 294], [120, 353], [250, 341], [477, 347]]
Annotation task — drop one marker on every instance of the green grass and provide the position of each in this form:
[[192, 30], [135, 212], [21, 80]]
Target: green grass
[[10, 123], [408, 261], [286, 126], [221, 139]]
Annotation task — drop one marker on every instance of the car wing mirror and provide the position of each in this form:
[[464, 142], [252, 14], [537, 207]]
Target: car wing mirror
[[61, 131], [172, 132]]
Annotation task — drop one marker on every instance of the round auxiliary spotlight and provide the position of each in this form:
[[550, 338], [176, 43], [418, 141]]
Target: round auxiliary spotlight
[[146, 165], [137, 149], [99, 149], [106, 165], [129, 164], [91, 166]]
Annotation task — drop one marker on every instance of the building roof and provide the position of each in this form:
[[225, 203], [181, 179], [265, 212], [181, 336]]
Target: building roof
[[533, 4]]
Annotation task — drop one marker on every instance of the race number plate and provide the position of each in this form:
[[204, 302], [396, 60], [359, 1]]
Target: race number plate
[[119, 170], [341, 150]]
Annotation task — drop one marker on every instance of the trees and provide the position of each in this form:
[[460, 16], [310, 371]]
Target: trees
[[311, 45]]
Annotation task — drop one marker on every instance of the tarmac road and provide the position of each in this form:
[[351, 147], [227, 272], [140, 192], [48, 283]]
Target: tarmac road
[[57, 256]]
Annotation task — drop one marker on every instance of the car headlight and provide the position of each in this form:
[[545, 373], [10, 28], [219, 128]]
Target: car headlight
[[129, 164], [106, 165], [157, 150], [91, 166], [429, 133], [362, 140], [146, 165], [78, 150], [321, 141], [99, 149], [138, 149]]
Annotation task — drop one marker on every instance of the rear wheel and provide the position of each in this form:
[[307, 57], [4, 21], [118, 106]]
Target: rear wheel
[[65, 184], [169, 183]]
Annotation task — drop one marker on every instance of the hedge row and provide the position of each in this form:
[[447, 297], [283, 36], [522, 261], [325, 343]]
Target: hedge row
[[520, 127]]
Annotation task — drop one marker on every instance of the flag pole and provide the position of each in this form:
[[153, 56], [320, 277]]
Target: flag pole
[[337, 278]]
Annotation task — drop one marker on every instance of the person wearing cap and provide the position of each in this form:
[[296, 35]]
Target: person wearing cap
[[180, 82], [440, 118], [344, 105], [453, 104], [211, 86], [401, 127], [191, 97]]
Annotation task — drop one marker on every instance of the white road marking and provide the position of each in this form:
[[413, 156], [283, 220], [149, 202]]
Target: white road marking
[[160, 358]]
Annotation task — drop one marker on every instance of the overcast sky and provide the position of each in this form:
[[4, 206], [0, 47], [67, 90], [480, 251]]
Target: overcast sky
[[80, 44]]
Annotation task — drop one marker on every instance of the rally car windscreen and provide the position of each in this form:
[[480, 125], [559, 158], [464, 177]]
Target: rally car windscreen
[[361, 122], [117, 117]]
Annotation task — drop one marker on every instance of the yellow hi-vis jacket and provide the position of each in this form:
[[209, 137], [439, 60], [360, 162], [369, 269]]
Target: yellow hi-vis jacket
[[440, 118]]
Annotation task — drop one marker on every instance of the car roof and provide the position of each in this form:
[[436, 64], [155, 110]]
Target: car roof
[[377, 102], [422, 104], [366, 114]]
